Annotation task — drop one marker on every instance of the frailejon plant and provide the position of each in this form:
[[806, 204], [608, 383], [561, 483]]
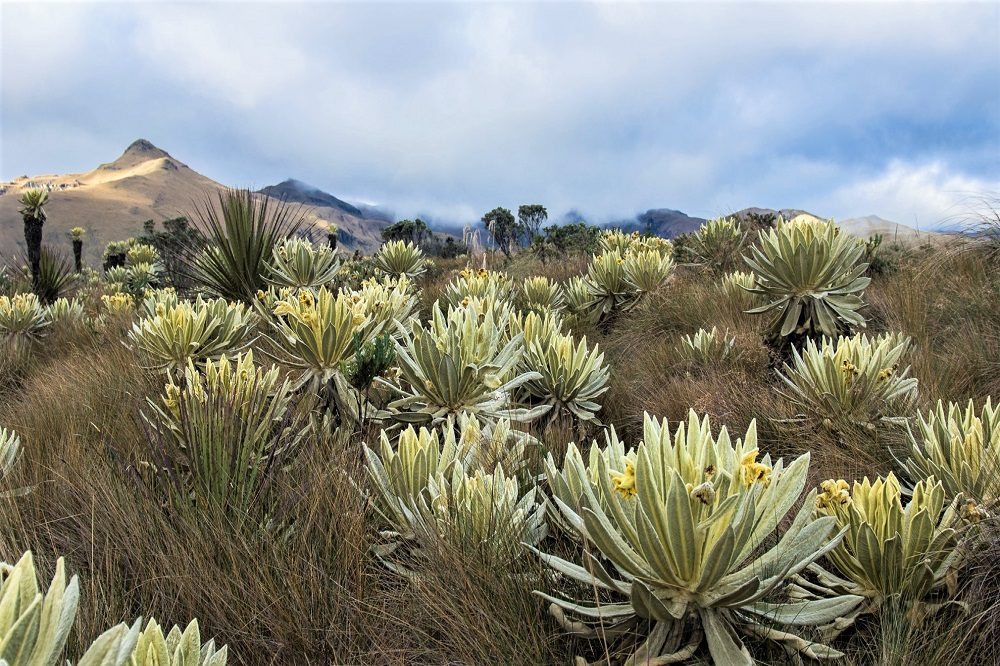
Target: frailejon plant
[[434, 484], [65, 313], [608, 284], [10, 451], [142, 253], [889, 552], [811, 277], [34, 628], [675, 529], [534, 326], [177, 648], [579, 301], [389, 305], [718, 243], [540, 294], [224, 428], [192, 332], [738, 286], [400, 258], [22, 317], [460, 361], [118, 303], [572, 377], [483, 285], [705, 348], [315, 334], [299, 264], [618, 241], [851, 382], [34, 625], [647, 270], [960, 448]]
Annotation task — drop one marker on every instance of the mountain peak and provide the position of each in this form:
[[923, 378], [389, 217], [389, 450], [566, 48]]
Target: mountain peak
[[296, 191], [146, 149]]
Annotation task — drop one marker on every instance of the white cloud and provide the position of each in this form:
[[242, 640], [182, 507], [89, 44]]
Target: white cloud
[[927, 195], [446, 108]]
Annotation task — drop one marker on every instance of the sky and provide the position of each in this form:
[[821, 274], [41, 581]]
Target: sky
[[448, 109]]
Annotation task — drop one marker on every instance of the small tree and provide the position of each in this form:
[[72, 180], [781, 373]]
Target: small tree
[[530, 218], [503, 228], [415, 231], [33, 213], [77, 235]]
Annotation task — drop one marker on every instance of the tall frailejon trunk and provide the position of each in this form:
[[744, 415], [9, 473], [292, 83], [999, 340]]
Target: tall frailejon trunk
[[33, 241], [78, 255], [332, 238]]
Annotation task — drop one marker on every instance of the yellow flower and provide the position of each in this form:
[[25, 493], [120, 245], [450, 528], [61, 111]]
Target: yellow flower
[[752, 471], [624, 483], [973, 513], [709, 472], [284, 308], [836, 492]]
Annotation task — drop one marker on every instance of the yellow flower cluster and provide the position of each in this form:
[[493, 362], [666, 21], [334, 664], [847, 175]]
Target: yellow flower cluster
[[118, 303], [885, 373], [624, 483], [974, 513], [836, 492], [752, 472]]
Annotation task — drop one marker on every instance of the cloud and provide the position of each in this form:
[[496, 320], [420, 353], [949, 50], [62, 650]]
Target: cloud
[[926, 196], [451, 109]]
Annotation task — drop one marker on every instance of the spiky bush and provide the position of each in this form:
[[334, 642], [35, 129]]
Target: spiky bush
[[889, 552], [540, 294], [400, 258], [222, 430], [675, 530], [460, 361], [706, 347], [852, 382], [299, 264], [34, 626], [572, 377], [434, 484], [718, 243], [22, 317], [192, 332], [961, 448], [486, 286], [239, 231], [56, 275], [810, 276]]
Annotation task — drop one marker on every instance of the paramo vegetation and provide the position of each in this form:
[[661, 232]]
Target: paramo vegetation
[[766, 442]]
